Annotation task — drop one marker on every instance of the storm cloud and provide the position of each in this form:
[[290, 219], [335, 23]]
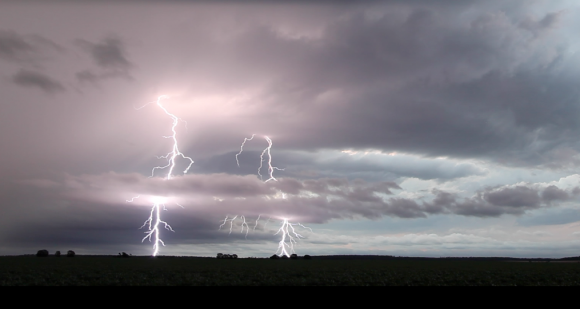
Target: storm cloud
[[313, 201], [481, 97], [110, 56], [13, 46], [25, 48], [420, 123], [109, 53], [33, 79], [514, 200]]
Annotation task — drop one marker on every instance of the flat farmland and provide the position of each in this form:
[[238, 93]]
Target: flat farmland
[[179, 271]]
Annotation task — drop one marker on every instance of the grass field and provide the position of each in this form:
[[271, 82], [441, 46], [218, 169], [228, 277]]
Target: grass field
[[165, 271]]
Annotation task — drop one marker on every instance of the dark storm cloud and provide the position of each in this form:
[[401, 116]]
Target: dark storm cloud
[[13, 46], [316, 200], [507, 200], [371, 166], [553, 193], [424, 82], [18, 48], [33, 79], [88, 76], [219, 194], [89, 210], [84, 225], [421, 44], [43, 219], [519, 196], [530, 117], [108, 54]]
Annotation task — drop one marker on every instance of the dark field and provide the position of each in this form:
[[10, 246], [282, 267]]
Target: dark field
[[162, 271]]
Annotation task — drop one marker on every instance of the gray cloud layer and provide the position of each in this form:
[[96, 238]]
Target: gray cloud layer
[[506, 200], [109, 55], [12, 46], [91, 209], [317, 200], [424, 85], [33, 79], [25, 49], [372, 166], [415, 80]]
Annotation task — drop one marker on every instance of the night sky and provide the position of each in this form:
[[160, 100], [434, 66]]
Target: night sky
[[415, 128]]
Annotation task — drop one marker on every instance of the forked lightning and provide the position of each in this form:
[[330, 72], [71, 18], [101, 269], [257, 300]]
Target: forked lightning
[[286, 247], [154, 221], [287, 230]]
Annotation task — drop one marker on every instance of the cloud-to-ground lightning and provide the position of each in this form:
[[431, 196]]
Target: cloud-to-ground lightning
[[271, 168], [154, 221], [286, 247], [288, 232]]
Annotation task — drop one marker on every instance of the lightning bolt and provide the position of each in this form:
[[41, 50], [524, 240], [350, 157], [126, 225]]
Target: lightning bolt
[[154, 221], [289, 235], [171, 156], [242, 148], [286, 247], [268, 152], [257, 220], [133, 199], [270, 167], [231, 221]]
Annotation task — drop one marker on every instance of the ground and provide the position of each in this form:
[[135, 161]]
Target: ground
[[180, 271]]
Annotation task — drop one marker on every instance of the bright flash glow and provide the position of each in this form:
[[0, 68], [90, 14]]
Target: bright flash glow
[[154, 221], [159, 200]]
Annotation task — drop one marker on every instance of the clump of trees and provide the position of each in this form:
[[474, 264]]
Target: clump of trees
[[42, 253], [124, 255], [45, 253], [221, 256]]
